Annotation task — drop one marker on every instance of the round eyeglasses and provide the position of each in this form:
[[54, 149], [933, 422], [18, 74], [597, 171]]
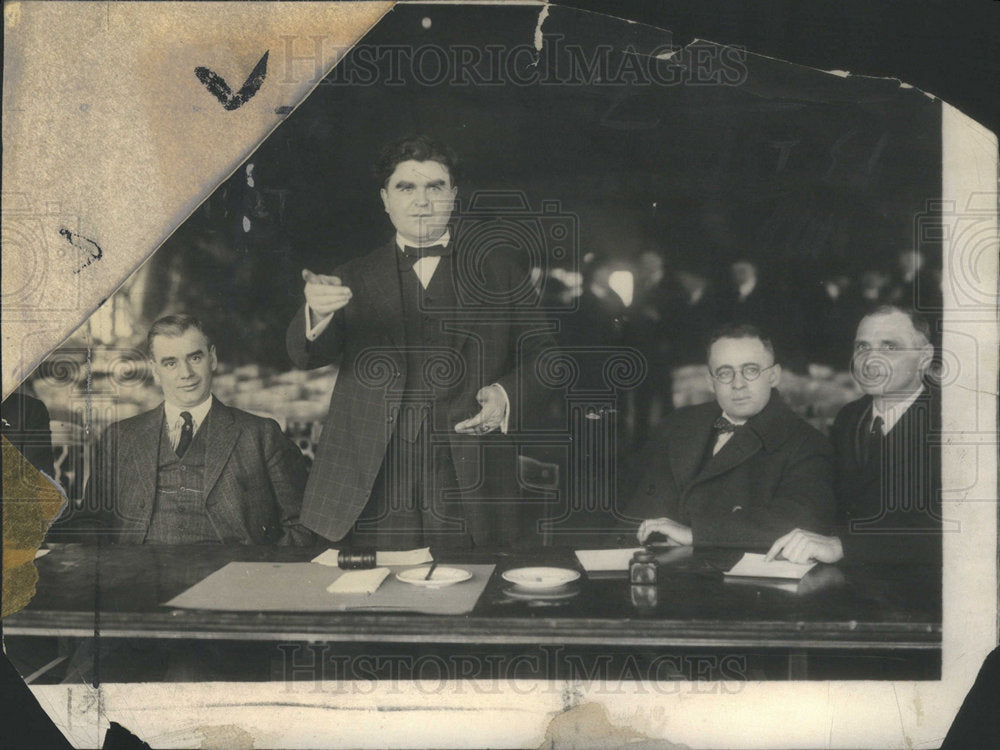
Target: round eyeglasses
[[749, 372]]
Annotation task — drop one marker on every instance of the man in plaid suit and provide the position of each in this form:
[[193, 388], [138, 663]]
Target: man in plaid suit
[[194, 470], [436, 360]]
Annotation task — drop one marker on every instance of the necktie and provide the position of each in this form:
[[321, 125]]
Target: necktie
[[413, 254], [723, 425], [871, 441], [187, 432]]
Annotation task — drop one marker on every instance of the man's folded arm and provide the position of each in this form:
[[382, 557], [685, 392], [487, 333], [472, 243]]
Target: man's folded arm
[[803, 499]]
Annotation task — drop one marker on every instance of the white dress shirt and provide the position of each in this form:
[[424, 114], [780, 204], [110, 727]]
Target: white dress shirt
[[175, 422], [725, 437], [424, 268], [892, 411]]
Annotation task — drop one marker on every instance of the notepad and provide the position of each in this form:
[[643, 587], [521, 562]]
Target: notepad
[[382, 558], [606, 560], [753, 566], [359, 581]]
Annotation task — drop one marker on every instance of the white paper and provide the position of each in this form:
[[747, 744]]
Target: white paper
[[600, 560], [387, 557], [753, 565], [359, 581]]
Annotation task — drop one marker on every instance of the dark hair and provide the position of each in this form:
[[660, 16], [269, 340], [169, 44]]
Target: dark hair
[[416, 148], [918, 321], [174, 325], [738, 331]]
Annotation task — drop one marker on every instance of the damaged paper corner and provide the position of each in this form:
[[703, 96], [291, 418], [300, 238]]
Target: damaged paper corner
[[119, 119], [31, 503]]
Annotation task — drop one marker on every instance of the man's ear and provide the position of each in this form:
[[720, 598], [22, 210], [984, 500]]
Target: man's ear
[[711, 380], [155, 370], [213, 360], [774, 375], [385, 198], [926, 357]]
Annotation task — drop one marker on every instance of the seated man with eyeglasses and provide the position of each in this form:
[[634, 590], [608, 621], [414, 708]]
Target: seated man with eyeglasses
[[742, 470]]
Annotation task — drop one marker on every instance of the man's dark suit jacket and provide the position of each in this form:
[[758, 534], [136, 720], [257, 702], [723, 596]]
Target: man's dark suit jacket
[[254, 478], [772, 476], [493, 344], [26, 426], [890, 509]]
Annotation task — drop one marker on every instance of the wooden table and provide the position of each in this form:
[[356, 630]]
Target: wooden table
[[837, 610]]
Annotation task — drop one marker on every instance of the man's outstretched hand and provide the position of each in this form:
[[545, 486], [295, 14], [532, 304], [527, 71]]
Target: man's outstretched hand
[[494, 404], [324, 294]]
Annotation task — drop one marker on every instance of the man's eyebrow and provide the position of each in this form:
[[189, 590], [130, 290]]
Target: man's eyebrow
[[195, 353], [436, 182], [165, 360]]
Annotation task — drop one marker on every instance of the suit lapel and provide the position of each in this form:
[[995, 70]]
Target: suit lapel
[[766, 430], [143, 448], [381, 281], [869, 469], [743, 444], [687, 451], [221, 434], [457, 335]]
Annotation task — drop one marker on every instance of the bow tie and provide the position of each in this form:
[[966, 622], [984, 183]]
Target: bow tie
[[722, 425], [413, 254]]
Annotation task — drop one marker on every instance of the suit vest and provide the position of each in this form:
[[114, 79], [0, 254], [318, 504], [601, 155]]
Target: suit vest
[[179, 512], [424, 312]]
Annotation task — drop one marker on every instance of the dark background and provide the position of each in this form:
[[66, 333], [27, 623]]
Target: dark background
[[804, 173]]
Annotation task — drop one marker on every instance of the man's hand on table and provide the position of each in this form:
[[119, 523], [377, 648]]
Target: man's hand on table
[[800, 546], [675, 532]]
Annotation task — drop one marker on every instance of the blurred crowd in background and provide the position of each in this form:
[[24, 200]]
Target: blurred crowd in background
[[646, 305]]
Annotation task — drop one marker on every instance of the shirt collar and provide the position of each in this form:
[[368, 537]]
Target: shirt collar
[[198, 413], [443, 240], [892, 410]]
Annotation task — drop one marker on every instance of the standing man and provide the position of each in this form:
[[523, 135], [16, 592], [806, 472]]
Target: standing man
[[433, 362], [194, 470], [742, 469], [888, 463]]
